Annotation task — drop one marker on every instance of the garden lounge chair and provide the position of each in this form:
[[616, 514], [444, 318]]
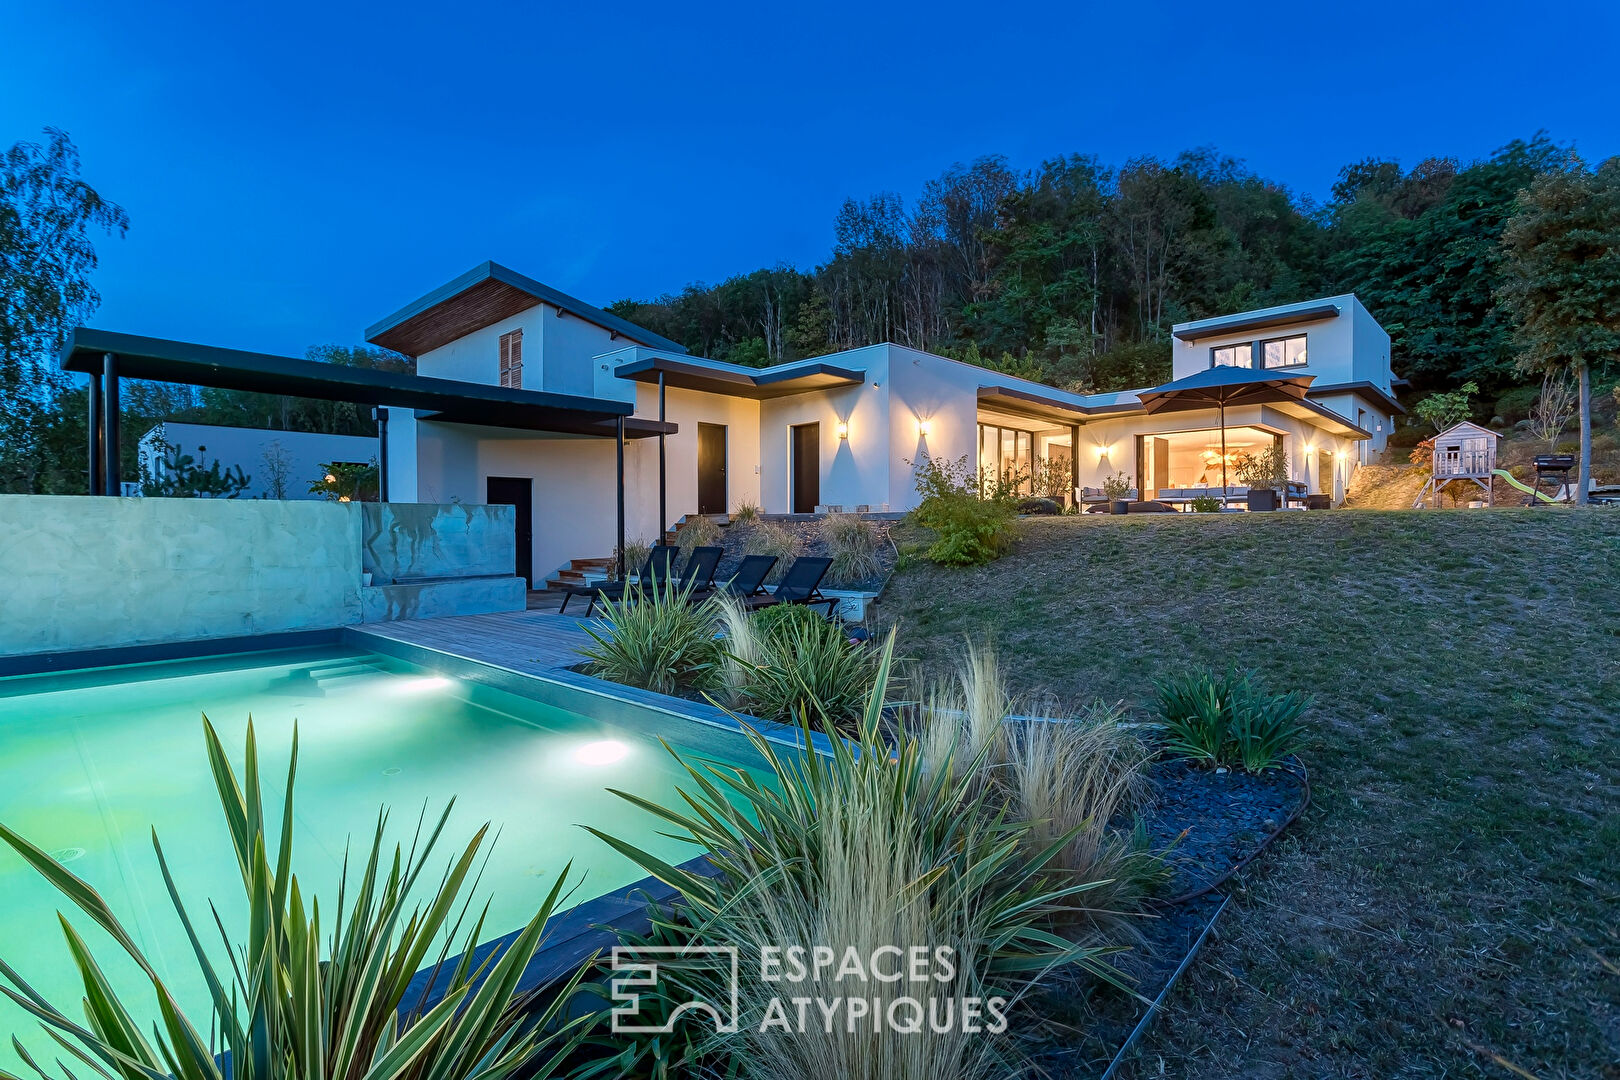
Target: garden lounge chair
[[800, 586], [700, 568], [660, 562], [747, 582]]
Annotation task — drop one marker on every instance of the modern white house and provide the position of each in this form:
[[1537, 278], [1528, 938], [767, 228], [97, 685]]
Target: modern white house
[[277, 464], [846, 430]]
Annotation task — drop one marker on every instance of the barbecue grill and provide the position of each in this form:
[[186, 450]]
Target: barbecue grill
[[1554, 468]]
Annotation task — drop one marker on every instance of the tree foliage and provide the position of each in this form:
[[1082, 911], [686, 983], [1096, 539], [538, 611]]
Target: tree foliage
[[1562, 286], [48, 214], [1073, 272]]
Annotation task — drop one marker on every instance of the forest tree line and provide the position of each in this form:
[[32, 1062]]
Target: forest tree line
[[1072, 273]]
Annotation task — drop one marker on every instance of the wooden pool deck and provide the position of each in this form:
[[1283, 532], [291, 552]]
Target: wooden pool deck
[[533, 642]]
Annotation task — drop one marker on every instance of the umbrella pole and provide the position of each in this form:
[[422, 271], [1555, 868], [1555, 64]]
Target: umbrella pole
[[1222, 404]]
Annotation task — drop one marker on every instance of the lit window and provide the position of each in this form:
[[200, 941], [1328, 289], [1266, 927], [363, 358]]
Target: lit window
[[1283, 352], [1232, 356]]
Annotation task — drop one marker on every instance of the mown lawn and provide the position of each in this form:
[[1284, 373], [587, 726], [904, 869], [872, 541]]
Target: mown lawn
[[1450, 905]]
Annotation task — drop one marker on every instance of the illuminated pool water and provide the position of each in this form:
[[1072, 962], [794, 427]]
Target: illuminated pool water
[[91, 762]]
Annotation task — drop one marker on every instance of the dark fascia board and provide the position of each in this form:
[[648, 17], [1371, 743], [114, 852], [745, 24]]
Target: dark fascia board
[[1368, 388], [1355, 430], [766, 383], [634, 426], [233, 369], [1237, 324], [1041, 407], [494, 271]]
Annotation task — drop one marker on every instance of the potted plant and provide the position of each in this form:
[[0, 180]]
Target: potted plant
[[1117, 489], [1266, 476]]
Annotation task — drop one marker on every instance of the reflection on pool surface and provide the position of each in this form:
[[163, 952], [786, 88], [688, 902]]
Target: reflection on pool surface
[[91, 762]]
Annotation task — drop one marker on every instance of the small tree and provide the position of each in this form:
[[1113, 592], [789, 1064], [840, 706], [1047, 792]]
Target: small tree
[[1563, 280], [1447, 409], [1553, 409], [1267, 469], [277, 468]]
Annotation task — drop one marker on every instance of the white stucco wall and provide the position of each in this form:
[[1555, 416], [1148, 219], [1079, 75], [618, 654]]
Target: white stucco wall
[[687, 409], [855, 470]]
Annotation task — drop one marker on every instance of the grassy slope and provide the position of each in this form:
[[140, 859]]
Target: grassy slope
[[1455, 890]]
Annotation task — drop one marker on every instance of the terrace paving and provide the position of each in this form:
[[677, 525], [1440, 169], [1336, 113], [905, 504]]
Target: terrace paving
[[533, 642]]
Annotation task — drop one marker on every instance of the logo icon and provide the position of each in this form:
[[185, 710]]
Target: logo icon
[[640, 969]]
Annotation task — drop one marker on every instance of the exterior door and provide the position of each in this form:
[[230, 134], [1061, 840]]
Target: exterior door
[[517, 492], [806, 467], [711, 483]]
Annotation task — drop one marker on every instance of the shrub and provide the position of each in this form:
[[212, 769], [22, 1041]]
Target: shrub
[[1515, 404], [1206, 504], [636, 553], [697, 531], [862, 850], [969, 530], [656, 639], [852, 542], [774, 538], [807, 667], [746, 513], [283, 1010], [742, 647], [1039, 506], [1228, 720]]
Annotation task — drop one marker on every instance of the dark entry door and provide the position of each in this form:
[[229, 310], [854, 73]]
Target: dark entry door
[[806, 467], [517, 491], [711, 468]]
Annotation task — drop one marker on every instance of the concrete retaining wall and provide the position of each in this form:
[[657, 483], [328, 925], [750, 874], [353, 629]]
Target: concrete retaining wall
[[94, 573]]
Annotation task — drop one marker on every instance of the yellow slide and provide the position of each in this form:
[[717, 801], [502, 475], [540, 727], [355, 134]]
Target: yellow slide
[[1504, 474]]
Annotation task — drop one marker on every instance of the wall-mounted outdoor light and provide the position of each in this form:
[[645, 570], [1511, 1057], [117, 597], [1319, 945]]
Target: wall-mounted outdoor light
[[923, 428], [843, 430]]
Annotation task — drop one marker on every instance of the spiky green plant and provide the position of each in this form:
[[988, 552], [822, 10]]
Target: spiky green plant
[[742, 648], [1229, 720], [807, 666], [746, 513], [863, 848], [287, 1009], [636, 552], [655, 638]]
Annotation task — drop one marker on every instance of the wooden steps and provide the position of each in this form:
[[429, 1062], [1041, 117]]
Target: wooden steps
[[580, 572]]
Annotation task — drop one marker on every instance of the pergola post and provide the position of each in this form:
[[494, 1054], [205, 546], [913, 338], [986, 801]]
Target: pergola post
[[93, 477], [112, 481], [663, 486], [380, 414], [1074, 464], [619, 440]]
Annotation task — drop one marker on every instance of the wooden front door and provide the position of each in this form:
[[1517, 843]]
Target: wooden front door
[[806, 467], [711, 483], [517, 492]]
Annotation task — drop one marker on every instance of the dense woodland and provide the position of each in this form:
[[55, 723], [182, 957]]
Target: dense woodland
[[1074, 272], [1071, 273]]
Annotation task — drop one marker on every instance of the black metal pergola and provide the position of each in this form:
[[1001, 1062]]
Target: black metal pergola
[[107, 357]]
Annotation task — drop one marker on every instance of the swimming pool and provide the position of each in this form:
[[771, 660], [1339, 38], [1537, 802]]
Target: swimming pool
[[91, 762]]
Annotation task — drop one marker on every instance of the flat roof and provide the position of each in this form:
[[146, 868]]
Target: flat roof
[[734, 380], [162, 360], [483, 296], [1369, 388], [1050, 407], [1282, 315]]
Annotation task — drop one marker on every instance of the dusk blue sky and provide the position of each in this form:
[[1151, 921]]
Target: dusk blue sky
[[295, 171]]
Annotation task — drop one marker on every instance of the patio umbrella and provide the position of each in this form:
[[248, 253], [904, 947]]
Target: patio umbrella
[[1221, 386]]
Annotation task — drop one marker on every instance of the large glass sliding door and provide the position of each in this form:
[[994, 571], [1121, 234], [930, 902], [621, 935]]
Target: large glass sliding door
[[1008, 455]]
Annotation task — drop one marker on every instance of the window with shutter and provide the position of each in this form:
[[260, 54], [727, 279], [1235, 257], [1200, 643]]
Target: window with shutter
[[512, 359]]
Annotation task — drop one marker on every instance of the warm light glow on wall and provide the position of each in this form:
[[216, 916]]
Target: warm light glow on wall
[[923, 428], [843, 430], [1341, 455], [1102, 451]]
